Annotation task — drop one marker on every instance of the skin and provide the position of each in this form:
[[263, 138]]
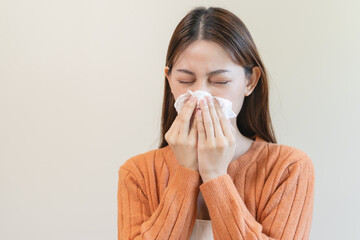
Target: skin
[[219, 141], [202, 57]]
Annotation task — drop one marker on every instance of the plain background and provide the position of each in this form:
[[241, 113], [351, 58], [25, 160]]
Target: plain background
[[81, 86]]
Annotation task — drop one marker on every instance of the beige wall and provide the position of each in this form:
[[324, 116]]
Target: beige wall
[[81, 86]]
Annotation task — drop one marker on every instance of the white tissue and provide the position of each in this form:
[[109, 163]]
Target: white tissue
[[225, 104]]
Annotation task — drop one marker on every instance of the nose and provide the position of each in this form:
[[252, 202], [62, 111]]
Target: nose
[[201, 85]]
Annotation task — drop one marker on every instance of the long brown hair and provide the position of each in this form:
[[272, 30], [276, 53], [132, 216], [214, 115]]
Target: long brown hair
[[225, 28]]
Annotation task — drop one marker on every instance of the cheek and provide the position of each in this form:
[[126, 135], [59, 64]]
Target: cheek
[[238, 99], [237, 105], [237, 102], [176, 94], [176, 90]]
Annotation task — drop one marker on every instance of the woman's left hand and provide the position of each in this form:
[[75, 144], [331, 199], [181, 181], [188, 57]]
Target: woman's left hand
[[216, 140]]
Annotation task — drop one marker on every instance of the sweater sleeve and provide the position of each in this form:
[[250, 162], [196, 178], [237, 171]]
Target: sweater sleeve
[[287, 213], [172, 217]]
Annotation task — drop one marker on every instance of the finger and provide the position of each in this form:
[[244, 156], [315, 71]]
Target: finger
[[192, 119], [175, 129], [185, 115], [233, 129], [214, 117], [225, 123], [193, 130], [209, 129], [200, 128]]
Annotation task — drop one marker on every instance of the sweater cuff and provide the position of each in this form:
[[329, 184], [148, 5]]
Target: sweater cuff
[[220, 190], [186, 179], [215, 185]]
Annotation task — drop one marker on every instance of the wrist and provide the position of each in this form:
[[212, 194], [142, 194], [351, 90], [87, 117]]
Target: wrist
[[208, 177], [190, 167]]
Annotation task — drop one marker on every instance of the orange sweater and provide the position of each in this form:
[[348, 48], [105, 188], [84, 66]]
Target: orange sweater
[[267, 193]]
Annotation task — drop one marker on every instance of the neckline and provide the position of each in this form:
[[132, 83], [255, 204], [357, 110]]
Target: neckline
[[244, 160], [241, 162], [203, 220]]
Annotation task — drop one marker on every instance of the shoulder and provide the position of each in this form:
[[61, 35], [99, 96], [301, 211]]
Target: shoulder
[[144, 162], [288, 174], [284, 159], [287, 154]]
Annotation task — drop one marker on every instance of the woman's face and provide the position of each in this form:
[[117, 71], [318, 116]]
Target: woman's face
[[194, 70]]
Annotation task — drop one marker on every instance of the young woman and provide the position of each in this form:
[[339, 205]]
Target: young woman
[[212, 177]]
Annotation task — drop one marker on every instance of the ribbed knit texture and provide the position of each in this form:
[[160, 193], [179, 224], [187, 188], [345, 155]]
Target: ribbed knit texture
[[267, 193]]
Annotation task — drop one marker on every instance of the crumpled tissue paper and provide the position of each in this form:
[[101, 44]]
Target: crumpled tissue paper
[[225, 104]]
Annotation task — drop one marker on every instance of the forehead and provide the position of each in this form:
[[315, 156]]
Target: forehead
[[205, 55]]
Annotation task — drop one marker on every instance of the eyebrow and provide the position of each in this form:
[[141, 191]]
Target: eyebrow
[[209, 74]]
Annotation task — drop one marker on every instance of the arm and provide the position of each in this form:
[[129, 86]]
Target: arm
[[172, 217], [287, 214]]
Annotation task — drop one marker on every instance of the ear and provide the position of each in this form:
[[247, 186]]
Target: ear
[[253, 80], [167, 76], [166, 72]]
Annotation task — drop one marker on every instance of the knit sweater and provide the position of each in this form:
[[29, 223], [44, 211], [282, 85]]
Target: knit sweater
[[267, 193]]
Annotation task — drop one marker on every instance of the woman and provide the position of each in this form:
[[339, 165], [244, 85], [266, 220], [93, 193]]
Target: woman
[[214, 177]]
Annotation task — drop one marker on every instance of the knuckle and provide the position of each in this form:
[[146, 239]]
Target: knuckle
[[188, 104], [182, 120], [202, 147], [170, 141], [175, 142], [211, 145], [182, 142], [191, 143], [167, 135], [223, 144], [185, 142]]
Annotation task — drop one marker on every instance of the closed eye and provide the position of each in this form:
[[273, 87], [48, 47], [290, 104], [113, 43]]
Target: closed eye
[[185, 82], [222, 82], [213, 82]]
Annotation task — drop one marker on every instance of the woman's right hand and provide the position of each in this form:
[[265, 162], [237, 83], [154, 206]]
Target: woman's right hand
[[182, 141]]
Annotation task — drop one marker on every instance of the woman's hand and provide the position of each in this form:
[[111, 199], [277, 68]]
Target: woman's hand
[[216, 140], [182, 141]]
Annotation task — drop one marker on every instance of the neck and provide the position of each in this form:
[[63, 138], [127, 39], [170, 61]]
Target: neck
[[243, 143]]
